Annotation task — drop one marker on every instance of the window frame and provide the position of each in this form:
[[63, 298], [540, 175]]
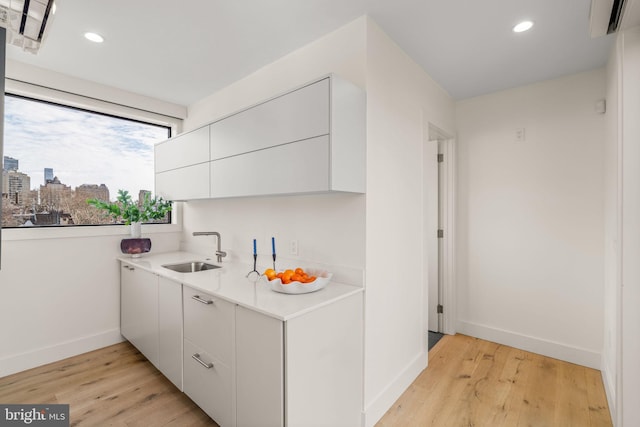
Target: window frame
[[72, 100]]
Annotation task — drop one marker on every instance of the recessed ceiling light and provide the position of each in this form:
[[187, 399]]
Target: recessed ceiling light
[[96, 38], [523, 26]]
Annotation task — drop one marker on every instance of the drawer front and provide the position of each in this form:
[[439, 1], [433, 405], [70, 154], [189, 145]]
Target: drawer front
[[184, 150], [299, 167], [208, 386], [297, 115], [209, 323]]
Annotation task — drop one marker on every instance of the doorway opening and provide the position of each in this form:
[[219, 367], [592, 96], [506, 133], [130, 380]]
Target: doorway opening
[[439, 232]]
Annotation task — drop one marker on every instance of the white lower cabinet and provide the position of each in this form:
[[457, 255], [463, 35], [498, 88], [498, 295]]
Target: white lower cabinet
[[303, 372], [209, 326], [245, 368], [151, 319], [323, 366], [139, 310], [207, 381], [170, 330], [259, 369]]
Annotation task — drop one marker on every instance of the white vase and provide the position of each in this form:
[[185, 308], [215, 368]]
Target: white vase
[[136, 230]]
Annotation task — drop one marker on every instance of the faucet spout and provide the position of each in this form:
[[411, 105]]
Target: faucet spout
[[219, 253]]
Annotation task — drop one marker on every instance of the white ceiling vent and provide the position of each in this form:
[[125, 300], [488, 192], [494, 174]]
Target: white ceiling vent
[[25, 21], [611, 16]]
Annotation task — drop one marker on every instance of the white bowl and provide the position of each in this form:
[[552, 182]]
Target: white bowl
[[322, 279]]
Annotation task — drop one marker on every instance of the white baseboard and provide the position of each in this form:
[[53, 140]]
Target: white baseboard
[[42, 356], [386, 398], [579, 356], [610, 391]]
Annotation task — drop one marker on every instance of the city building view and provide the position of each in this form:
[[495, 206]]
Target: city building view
[[52, 202], [57, 157]]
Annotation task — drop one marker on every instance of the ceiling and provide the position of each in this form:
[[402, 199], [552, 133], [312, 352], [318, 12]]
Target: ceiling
[[182, 51]]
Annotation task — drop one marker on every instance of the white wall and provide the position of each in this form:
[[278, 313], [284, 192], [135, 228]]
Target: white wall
[[59, 288], [621, 349], [401, 100], [531, 223], [60, 296], [630, 321], [612, 231], [18, 72]]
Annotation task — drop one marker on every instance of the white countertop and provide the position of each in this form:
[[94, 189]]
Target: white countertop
[[230, 283]]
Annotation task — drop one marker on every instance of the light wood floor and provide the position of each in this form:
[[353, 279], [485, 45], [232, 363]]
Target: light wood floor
[[113, 386], [476, 383], [469, 383]]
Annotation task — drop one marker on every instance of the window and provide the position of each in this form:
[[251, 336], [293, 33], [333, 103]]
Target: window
[[56, 157]]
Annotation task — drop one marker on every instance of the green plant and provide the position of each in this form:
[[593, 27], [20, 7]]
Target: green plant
[[126, 210]]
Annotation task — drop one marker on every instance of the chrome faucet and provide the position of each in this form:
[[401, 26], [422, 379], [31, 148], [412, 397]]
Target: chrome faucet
[[219, 253]]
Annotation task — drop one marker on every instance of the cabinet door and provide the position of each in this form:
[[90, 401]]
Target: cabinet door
[[184, 150], [259, 370], [324, 365], [170, 330], [209, 323], [207, 381], [300, 167], [297, 115], [188, 183], [139, 310]]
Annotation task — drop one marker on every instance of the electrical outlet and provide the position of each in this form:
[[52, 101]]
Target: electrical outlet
[[293, 247], [520, 135]]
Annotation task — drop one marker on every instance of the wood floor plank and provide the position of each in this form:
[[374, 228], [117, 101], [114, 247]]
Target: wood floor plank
[[597, 398], [515, 378], [474, 383]]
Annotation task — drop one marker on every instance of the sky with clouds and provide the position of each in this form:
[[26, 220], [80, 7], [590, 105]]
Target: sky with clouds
[[81, 147]]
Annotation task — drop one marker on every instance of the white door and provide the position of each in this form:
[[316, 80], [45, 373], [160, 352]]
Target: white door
[[432, 211]]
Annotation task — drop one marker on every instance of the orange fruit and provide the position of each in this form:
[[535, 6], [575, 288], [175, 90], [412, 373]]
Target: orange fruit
[[286, 275], [270, 273], [299, 271], [296, 278]]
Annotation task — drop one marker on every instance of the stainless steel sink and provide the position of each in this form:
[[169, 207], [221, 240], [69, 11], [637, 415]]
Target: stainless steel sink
[[191, 266]]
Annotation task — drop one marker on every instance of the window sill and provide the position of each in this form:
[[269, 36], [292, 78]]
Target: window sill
[[29, 233]]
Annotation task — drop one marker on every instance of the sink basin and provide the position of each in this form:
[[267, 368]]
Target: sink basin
[[191, 266]]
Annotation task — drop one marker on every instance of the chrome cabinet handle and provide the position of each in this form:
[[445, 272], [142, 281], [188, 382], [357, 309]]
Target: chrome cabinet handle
[[196, 357], [128, 268], [204, 301]]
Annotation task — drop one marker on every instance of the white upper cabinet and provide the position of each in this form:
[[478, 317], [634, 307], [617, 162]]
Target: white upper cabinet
[[297, 115], [188, 183], [182, 166], [311, 139], [186, 149], [299, 167]]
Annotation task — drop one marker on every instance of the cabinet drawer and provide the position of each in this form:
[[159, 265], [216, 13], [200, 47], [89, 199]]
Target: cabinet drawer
[[209, 324], [208, 386], [297, 115], [191, 182], [300, 167], [184, 150]]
